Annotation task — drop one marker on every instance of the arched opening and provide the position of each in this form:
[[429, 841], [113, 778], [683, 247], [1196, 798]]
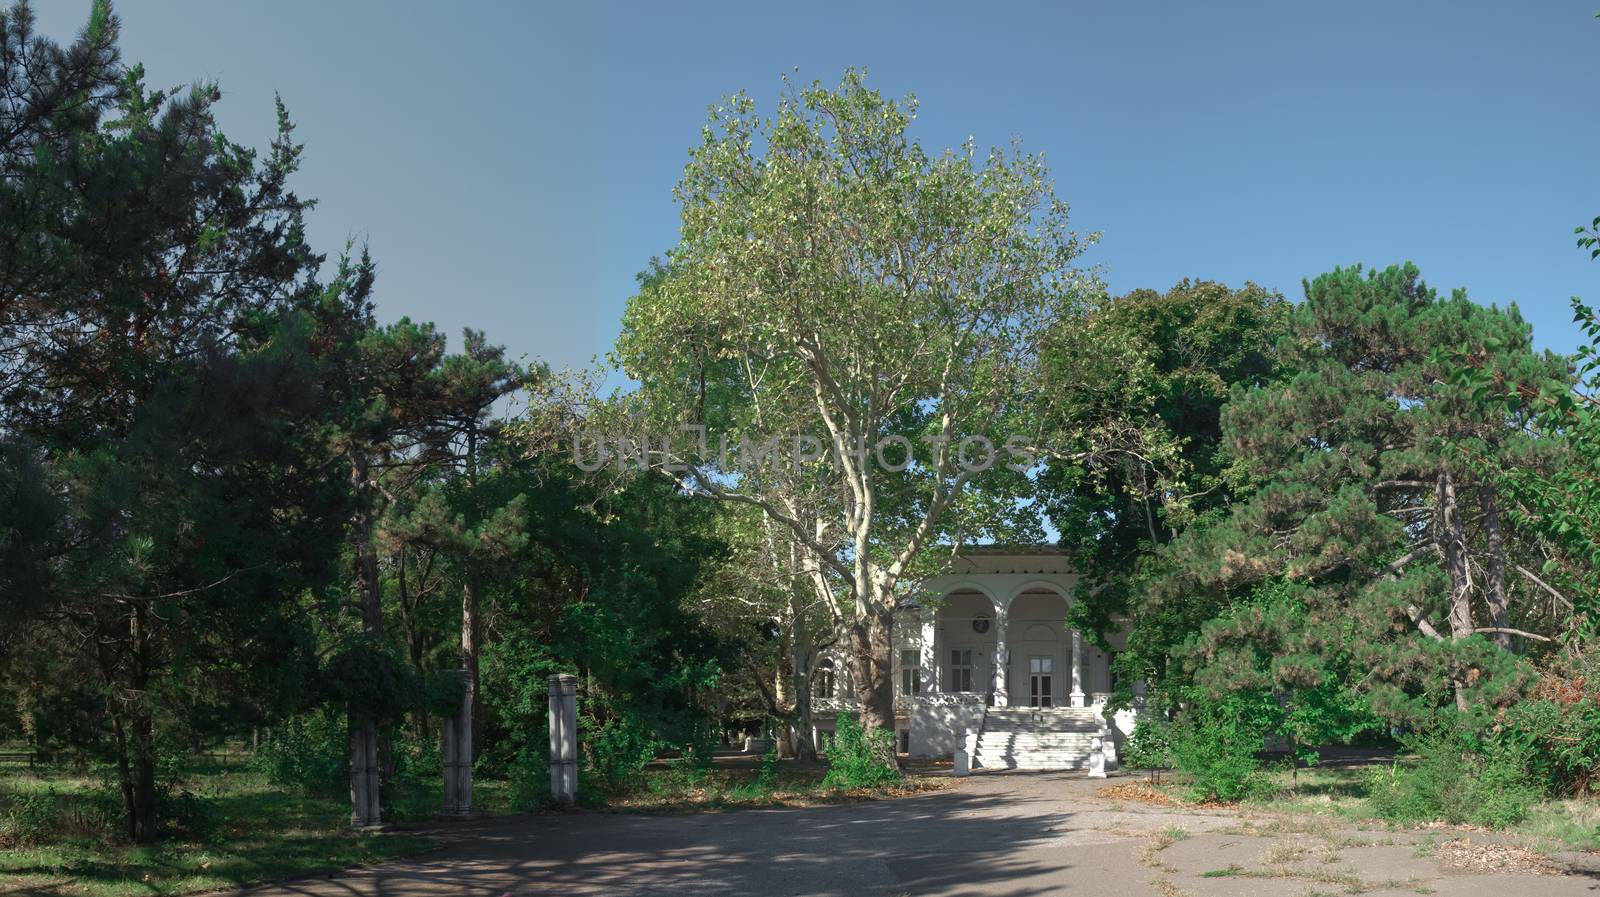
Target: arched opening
[[1040, 646]]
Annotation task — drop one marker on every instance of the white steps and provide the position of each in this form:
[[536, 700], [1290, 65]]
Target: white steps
[[1038, 738]]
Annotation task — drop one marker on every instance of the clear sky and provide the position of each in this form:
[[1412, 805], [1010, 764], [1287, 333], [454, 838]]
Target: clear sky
[[511, 164]]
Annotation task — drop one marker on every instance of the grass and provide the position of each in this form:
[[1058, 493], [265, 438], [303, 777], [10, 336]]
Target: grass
[[671, 789], [1337, 796], [256, 832]]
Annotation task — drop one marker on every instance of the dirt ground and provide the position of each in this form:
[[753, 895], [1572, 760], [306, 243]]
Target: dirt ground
[[997, 835]]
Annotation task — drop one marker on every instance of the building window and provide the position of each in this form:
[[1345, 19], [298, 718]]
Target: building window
[[980, 623], [824, 683], [910, 672], [961, 669], [905, 741], [1113, 678]]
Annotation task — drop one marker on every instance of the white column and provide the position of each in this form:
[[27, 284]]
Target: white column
[[564, 738], [930, 654], [1077, 669], [1002, 661]]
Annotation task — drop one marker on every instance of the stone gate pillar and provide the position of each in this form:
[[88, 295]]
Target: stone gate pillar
[[364, 813], [456, 750], [564, 738]]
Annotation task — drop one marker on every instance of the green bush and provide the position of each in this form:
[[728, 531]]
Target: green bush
[[309, 753], [767, 767], [616, 751], [858, 758], [1453, 780], [1150, 745], [529, 779], [1215, 743], [1560, 735], [27, 818]]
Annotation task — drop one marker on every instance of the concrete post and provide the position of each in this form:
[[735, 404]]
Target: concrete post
[[564, 738], [364, 813], [1077, 668], [455, 749]]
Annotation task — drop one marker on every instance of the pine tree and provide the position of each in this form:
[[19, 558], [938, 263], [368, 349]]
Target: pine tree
[[1356, 490]]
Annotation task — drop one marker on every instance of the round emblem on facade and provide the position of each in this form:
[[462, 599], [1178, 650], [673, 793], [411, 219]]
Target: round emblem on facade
[[980, 624]]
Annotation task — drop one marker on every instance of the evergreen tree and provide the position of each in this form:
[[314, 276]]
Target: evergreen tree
[[1355, 490]]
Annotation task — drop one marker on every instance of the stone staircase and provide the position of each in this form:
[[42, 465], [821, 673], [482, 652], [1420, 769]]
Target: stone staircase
[[1039, 737]]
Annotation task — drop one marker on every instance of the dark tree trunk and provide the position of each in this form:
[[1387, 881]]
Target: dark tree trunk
[[471, 625], [1453, 542], [471, 637], [1499, 607], [364, 780]]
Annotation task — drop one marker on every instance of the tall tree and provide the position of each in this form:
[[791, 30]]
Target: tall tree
[[1355, 488], [157, 371], [1134, 393], [834, 280]]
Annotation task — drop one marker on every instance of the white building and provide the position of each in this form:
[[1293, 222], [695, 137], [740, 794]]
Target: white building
[[984, 656]]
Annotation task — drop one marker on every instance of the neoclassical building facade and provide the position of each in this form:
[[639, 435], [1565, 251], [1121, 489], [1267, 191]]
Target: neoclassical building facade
[[984, 649]]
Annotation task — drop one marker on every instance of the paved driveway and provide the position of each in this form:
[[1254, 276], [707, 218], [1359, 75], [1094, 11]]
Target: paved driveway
[[996, 836]]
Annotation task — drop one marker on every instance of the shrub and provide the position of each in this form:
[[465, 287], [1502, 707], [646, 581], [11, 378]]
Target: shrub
[[529, 779], [310, 753], [1560, 733], [1216, 742], [1452, 780], [1150, 745], [616, 752], [859, 758], [767, 768], [28, 818]]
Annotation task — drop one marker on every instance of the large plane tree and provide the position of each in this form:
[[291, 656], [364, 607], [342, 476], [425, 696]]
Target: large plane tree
[[836, 281]]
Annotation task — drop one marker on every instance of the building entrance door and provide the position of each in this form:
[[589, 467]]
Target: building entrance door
[[1040, 680]]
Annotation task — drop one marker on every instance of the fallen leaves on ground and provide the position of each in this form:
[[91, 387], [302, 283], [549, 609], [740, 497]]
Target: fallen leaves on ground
[[1146, 793], [1462, 854]]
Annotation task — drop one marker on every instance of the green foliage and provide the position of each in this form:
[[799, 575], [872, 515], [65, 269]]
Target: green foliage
[[1150, 745], [443, 691], [831, 197], [1134, 396], [1558, 730], [767, 767], [309, 753], [1351, 504], [368, 678], [1278, 640], [616, 751], [529, 778], [1456, 781], [859, 757], [27, 818], [1216, 742]]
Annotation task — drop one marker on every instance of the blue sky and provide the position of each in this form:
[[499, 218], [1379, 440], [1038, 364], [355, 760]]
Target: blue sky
[[511, 164]]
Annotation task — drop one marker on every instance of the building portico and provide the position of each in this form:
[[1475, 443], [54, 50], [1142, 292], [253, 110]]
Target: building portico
[[983, 657], [998, 629]]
